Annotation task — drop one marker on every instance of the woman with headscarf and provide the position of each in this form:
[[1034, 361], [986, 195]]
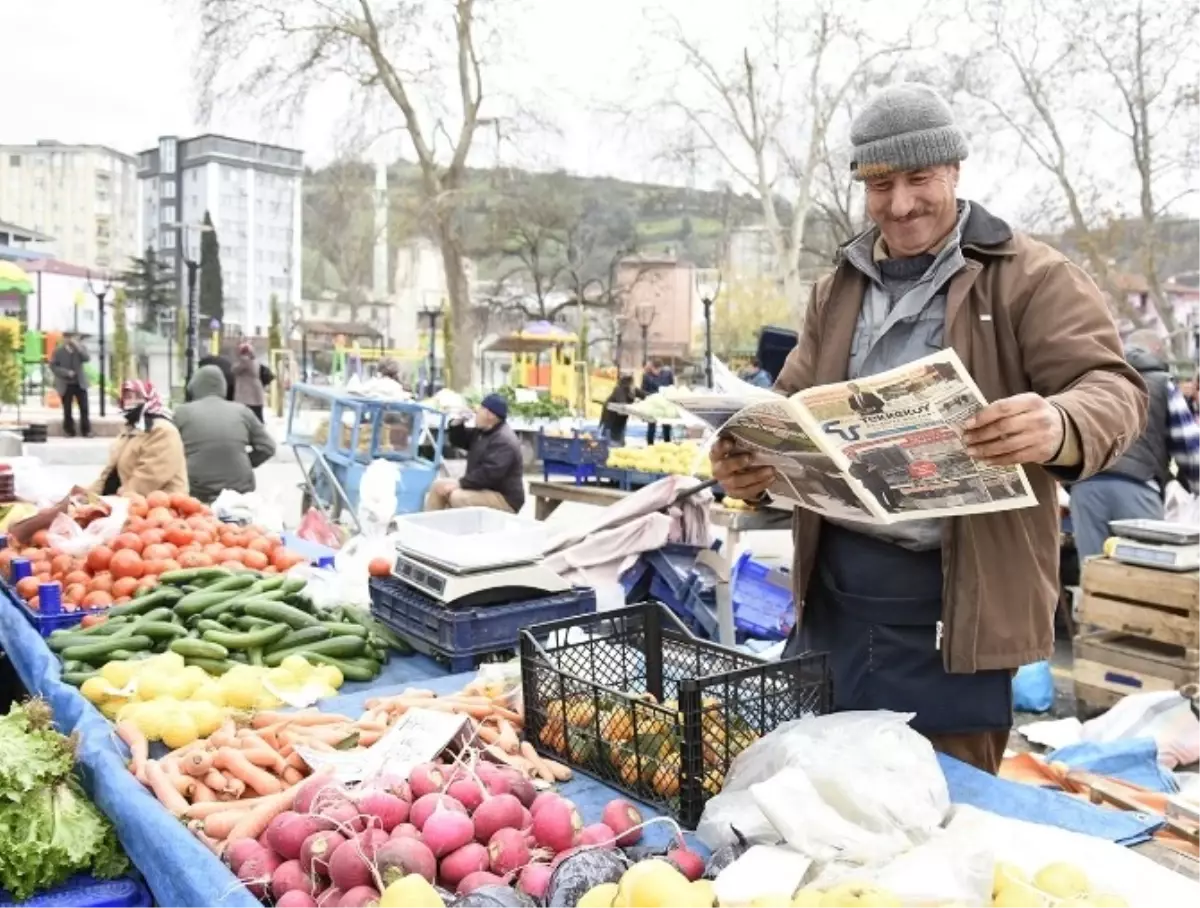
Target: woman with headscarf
[[248, 381], [148, 454]]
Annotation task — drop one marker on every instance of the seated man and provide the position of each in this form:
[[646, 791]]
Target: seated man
[[495, 469]]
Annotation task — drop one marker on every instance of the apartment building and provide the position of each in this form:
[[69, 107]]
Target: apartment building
[[252, 193], [85, 196]]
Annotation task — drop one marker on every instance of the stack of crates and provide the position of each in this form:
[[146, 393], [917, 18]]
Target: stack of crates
[[670, 575]]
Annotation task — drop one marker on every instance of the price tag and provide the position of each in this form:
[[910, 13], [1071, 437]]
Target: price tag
[[419, 736]]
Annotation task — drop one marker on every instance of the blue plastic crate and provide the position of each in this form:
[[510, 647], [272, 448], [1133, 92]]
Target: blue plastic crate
[[85, 891], [762, 599], [462, 635], [573, 449], [676, 564], [614, 475], [46, 624]]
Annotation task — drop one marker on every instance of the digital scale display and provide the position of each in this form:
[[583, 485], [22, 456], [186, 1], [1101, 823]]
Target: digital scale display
[[420, 577], [1155, 556]]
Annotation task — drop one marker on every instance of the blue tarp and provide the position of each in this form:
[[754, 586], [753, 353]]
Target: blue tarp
[[1134, 760]]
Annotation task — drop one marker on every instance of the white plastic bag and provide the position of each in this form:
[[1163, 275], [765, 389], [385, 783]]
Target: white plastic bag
[[247, 507], [377, 496], [868, 769], [71, 539], [1165, 716], [1179, 506], [351, 563]]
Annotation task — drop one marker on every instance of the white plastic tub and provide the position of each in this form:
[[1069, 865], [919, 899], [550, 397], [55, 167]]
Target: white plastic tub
[[472, 538]]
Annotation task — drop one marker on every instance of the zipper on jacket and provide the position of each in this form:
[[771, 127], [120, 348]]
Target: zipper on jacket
[[937, 636]]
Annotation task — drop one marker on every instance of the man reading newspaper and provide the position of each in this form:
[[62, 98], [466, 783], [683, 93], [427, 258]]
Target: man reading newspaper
[[932, 615]]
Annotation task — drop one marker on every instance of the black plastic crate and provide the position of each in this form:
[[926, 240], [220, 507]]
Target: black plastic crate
[[462, 635], [646, 707]]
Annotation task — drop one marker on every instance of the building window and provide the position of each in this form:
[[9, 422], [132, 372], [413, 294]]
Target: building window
[[168, 189], [166, 155], [168, 239], [168, 214], [14, 160]]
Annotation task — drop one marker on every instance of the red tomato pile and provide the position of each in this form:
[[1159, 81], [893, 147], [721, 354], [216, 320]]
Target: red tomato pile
[[163, 533]]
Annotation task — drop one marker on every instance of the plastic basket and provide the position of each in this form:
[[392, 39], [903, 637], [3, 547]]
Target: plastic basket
[[85, 891], [47, 623], [462, 635], [588, 703], [573, 449], [762, 599]]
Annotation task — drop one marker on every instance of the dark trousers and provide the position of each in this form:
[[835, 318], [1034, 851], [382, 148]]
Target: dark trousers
[[78, 394], [257, 411], [652, 430]]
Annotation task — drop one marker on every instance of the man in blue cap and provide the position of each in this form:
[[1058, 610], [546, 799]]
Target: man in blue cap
[[495, 469]]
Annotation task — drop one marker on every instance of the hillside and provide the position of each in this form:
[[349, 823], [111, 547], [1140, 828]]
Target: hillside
[[611, 214]]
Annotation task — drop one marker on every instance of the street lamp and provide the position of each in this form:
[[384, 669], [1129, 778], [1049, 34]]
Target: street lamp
[[101, 294], [297, 323], [432, 313], [193, 338], [708, 296], [645, 318]]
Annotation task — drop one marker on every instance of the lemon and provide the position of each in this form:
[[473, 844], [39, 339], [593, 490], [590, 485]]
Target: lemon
[[267, 700], [209, 692], [282, 678], [298, 666], [152, 684], [323, 690], [411, 891], [118, 674], [598, 896], [151, 718], [168, 661], [97, 690], [331, 675], [178, 730], [241, 690], [207, 716]]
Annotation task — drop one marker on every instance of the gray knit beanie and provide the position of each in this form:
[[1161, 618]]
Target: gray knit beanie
[[906, 126]]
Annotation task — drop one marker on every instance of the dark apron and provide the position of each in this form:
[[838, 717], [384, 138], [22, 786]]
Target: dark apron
[[875, 608]]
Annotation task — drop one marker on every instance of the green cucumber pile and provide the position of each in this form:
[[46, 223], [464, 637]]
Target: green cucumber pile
[[215, 618]]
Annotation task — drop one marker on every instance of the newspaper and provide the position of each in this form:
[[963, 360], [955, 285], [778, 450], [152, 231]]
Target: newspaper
[[882, 449]]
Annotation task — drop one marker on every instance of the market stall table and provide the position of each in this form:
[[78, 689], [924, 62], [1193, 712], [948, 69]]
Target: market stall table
[[735, 523], [548, 496]]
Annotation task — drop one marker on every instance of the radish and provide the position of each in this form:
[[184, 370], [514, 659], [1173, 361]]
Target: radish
[[405, 831], [317, 793], [349, 866], [598, 834], [622, 817], [426, 778], [458, 865], [386, 809], [507, 851], [477, 880], [317, 849], [690, 864], [329, 898], [542, 800], [497, 812], [535, 880], [393, 785], [400, 857], [237, 852], [359, 897], [509, 781], [295, 898], [446, 831], [287, 832], [468, 792], [256, 872], [290, 876], [425, 806], [557, 826], [344, 817], [485, 771]]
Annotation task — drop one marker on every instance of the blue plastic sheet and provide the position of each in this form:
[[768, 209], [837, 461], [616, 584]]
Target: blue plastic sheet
[[1134, 760], [1033, 688], [969, 785]]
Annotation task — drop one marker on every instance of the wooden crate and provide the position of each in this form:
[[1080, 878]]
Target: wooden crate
[[1140, 631]]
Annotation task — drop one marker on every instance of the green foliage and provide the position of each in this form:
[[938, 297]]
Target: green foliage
[[150, 282], [10, 369], [275, 332], [119, 364], [212, 293]]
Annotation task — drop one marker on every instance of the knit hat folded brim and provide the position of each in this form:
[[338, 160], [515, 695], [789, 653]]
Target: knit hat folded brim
[[909, 151]]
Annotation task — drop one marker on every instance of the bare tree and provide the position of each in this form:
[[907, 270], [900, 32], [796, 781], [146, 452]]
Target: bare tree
[[767, 117], [339, 224], [275, 51]]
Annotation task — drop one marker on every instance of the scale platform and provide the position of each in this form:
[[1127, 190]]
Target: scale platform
[[1155, 544], [496, 584]]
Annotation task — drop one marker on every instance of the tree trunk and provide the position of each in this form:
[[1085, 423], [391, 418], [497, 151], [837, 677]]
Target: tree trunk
[[458, 357]]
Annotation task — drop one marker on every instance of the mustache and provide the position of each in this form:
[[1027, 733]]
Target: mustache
[[911, 216]]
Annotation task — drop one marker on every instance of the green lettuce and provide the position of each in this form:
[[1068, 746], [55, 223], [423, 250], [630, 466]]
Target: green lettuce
[[32, 753]]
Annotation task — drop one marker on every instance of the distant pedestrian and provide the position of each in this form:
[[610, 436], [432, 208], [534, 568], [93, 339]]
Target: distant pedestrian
[[70, 381], [655, 377], [756, 375], [226, 367], [247, 381]]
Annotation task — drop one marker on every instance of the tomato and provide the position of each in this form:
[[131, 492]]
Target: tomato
[[40, 539], [6, 557], [169, 564], [130, 541], [157, 499], [256, 561], [27, 588], [261, 544], [101, 582], [179, 533], [98, 558], [147, 583], [154, 568], [74, 593], [97, 599], [195, 560], [160, 517], [379, 567], [234, 553], [92, 620], [61, 564], [121, 600], [158, 551], [126, 563], [124, 586], [231, 565], [35, 603], [77, 577], [153, 535]]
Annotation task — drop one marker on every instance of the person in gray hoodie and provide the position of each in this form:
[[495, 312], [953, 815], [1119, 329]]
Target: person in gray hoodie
[[223, 440]]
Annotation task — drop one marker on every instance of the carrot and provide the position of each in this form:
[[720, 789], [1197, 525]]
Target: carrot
[[224, 736], [295, 761], [209, 808], [201, 792], [183, 784], [266, 758], [196, 764], [254, 823], [292, 776], [234, 762], [197, 829], [367, 738], [216, 780], [218, 825], [163, 789], [561, 773], [508, 736], [198, 744], [234, 789], [501, 756], [487, 734], [261, 720], [248, 739], [503, 712], [139, 748], [535, 760]]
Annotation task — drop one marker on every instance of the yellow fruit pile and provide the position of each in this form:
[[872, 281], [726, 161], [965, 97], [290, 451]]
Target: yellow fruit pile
[[411, 891], [176, 703], [679, 457], [651, 884], [1055, 884]]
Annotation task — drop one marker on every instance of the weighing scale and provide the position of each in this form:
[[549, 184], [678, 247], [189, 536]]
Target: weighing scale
[[1154, 544], [494, 584]]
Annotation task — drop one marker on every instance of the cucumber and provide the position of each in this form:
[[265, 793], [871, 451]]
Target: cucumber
[[351, 669], [199, 576], [59, 643], [101, 651], [344, 629], [292, 585], [194, 603], [338, 647], [220, 608], [159, 596], [382, 631], [163, 613], [71, 665], [228, 619], [76, 679], [269, 583], [240, 581], [190, 648], [256, 639], [159, 630], [212, 666], [255, 656], [277, 611], [299, 638], [250, 623], [207, 624]]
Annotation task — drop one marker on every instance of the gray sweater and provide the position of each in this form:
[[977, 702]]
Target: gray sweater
[[223, 440]]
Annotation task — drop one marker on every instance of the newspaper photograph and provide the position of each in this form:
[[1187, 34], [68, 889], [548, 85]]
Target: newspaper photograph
[[813, 481], [898, 437]]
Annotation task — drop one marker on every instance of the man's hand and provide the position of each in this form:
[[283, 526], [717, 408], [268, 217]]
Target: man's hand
[[1023, 429], [736, 471], [445, 486]]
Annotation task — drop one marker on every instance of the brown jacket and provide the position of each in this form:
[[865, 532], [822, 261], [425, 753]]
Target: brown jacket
[[147, 461], [1022, 318]]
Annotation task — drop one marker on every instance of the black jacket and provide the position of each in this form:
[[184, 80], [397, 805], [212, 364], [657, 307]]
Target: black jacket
[[226, 368], [621, 394], [494, 461], [1149, 458]]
